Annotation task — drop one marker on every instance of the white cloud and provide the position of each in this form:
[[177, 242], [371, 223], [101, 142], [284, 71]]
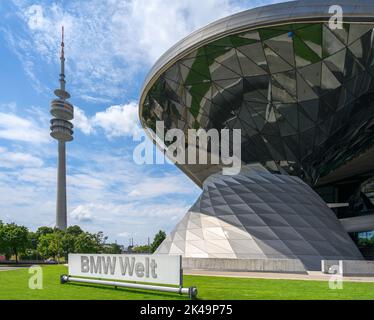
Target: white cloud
[[10, 159], [82, 214], [95, 99], [86, 181], [82, 122], [133, 213], [110, 45], [38, 176], [10, 107], [108, 42], [152, 187], [13, 127], [137, 219], [120, 120], [124, 235], [149, 28], [107, 192], [115, 121]]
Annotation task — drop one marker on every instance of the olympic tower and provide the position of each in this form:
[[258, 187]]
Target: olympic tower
[[62, 130]]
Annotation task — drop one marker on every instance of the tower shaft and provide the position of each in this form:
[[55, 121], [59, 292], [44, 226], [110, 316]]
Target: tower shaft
[[61, 211]]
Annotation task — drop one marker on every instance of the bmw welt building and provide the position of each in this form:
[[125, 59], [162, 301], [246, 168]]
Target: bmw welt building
[[302, 92]]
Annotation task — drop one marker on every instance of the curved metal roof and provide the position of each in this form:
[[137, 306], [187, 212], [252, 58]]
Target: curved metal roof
[[305, 11], [295, 11]]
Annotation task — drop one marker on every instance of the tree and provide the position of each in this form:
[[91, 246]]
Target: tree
[[142, 249], [88, 243], [14, 238], [159, 237], [3, 246], [2, 241], [33, 240], [100, 239], [48, 245], [47, 242], [68, 244], [43, 231], [112, 248], [74, 231], [30, 254]]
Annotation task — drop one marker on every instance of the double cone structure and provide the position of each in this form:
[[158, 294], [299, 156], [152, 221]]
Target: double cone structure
[[300, 87]]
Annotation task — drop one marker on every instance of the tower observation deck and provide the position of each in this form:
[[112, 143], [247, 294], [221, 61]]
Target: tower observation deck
[[61, 130]]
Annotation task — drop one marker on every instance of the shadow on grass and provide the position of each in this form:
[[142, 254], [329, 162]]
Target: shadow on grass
[[132, 291]]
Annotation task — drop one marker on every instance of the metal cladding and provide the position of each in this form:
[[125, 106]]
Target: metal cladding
[[301, 92], [259, 215]]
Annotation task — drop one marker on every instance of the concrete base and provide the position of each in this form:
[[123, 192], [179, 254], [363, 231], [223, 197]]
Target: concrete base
[[348, 268], [245, 265]]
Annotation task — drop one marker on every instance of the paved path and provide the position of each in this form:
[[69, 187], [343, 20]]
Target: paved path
[[9, 268], [311, 276]]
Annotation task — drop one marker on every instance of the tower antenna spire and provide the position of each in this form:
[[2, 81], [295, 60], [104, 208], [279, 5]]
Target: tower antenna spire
[[62, 58], [61, 92], [62, 43]]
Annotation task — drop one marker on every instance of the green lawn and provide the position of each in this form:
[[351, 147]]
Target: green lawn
[[14, 285]]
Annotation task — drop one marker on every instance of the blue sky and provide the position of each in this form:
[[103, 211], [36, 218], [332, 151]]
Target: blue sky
[[110, 47]]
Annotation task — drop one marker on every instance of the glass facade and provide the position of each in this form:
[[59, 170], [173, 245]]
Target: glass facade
[[302, 94], [368, 190], [365, 238], [365, 242]]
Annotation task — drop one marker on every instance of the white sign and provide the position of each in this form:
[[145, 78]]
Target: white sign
[[161, 269]]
